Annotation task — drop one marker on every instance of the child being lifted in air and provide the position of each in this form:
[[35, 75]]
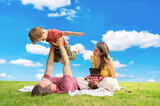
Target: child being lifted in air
[[39, 34]]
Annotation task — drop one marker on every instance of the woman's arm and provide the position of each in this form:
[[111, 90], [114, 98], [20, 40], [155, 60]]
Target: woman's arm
[[50, 61], [111, 69]]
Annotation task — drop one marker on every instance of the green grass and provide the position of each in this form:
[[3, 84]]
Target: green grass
[[148, 94]]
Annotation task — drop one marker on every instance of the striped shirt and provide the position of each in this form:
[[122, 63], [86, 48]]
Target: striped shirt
[[94, 79]]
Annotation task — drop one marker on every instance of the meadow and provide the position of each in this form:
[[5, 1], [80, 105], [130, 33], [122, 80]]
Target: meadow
[[135, 94]]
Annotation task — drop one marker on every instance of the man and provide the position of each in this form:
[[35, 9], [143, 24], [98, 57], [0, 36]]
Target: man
[[50, 84]]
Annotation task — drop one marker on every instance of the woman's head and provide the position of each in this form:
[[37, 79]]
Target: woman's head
[[101, 51]]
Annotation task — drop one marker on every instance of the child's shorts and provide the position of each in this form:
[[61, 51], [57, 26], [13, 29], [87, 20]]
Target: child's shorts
[[71, 54]]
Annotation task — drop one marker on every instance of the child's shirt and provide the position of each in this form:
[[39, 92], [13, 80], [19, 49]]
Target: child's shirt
[[53, 34], [94, 79]]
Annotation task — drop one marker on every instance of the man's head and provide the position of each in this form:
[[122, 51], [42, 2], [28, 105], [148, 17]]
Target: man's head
[[94, 72], [44, 87], [36, 34]]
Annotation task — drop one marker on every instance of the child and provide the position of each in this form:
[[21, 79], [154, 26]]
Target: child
[[39, 34], [94, 78]]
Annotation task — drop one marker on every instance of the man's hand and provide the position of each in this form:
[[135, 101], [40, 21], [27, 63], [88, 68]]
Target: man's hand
[[59, 41], [79, 34], [51, 45]]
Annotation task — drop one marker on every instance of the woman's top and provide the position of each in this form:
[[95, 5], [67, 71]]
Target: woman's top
[[104, 71]]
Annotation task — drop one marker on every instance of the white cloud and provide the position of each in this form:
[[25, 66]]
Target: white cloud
[[86, 53], [9, 77], [42, 70], [69, 13], [80, 46], [94, 42], [2, 74], [77, 7], [76, 65], [39, 76], [25, 62], [122, 40], [151, 80], [59, 75], [117, 64], [131, 62], [44, 42], [132, 76], [50, 4], [37, 49], [66, 38], [120, 75], [2, 61]]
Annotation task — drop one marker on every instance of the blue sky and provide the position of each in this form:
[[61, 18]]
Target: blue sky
[[130, 29]]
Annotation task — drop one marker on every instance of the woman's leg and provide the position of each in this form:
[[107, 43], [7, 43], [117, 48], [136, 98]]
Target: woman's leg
[[109, 83]]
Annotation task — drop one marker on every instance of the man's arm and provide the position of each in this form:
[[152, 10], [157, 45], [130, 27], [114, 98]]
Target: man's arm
[[50, 61], [69, 33], [66, 64]]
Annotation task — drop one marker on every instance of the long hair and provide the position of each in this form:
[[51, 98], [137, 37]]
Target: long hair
[[103, 48], [38, 90]]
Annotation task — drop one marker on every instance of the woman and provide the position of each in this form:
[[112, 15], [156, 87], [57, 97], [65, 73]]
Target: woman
[[100, 59]]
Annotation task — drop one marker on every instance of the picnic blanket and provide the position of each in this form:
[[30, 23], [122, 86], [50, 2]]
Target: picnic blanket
[[97, 92], [26, 89]]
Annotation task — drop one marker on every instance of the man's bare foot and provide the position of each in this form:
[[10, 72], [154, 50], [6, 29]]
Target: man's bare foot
[[77, 50]]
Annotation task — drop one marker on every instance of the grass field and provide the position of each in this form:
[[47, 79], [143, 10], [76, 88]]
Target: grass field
[[141, 94]]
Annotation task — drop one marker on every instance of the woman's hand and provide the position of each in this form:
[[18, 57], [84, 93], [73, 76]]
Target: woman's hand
[[106, 60]]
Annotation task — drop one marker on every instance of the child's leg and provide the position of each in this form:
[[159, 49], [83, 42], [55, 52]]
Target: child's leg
[[71, 55], [57, 55]]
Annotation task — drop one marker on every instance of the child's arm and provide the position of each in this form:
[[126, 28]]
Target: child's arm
[[69, 33]]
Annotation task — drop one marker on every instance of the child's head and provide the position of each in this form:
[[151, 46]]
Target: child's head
[[94, 72], [35, 34]]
